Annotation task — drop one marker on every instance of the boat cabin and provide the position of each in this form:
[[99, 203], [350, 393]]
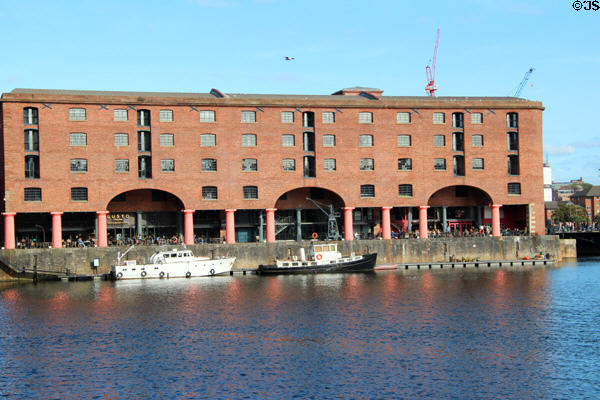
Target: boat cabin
[[173, 256], [324, 252]]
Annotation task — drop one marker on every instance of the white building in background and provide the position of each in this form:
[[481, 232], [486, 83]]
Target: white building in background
[[547, 182]]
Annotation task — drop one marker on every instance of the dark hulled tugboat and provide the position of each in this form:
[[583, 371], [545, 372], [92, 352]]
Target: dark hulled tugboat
[[321, 258]]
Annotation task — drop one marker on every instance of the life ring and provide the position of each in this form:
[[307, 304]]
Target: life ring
[[162, 274], [319, 257], [188, 274], [315, 235], [212, 272], [143, 274], [119, 275]]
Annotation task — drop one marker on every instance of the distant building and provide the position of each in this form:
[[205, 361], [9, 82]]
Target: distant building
[[588, 199]]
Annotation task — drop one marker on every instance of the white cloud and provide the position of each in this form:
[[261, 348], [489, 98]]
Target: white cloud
[[559, 150]]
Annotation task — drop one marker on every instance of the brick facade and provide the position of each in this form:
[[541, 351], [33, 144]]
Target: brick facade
[[187, 179]]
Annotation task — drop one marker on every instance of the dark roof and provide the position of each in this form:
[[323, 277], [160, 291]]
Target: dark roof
[[594, 191], [291, 100]]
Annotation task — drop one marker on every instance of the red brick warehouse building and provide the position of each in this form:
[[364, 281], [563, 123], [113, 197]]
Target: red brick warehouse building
[[243, 167]]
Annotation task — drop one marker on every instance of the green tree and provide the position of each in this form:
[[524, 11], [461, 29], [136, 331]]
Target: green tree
[[570, 213], [597, 219]]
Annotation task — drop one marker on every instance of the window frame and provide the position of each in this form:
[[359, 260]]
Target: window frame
[[407, 188], [166, 115], [207, 116], [476, 140], [435, 166], [329, 137], [118, 114], [287, 117], [293, 164], [476, 121], [167, 165], [400, 138], [31, 116], [327, 120], [513, 192], [118, 139], [475, 161], [250, 192], [77, 114], [75, 138], [248, 117], [246, 142], [123, 162], [208, 165], [367, 164], [367, 191], [209, 189], [81, 162], [247, 165], [287, 136], [365, 117], [167, 140], [332, 165], [403, 117], [361, 142], [443, 137], [204, 138], [32, 194], [81, 193], [437, 116], [408, 164]]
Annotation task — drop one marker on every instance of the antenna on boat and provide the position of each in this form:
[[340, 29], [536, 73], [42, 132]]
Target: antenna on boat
[[333, 232]]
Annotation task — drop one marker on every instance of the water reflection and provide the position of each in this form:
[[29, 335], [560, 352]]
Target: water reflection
[[530, 333]]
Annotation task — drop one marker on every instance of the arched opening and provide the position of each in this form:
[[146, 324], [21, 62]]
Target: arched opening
[[306, 211], [458, 210], [148, 215]]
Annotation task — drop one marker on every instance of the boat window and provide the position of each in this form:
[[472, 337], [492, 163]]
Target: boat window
[[318, 248], [332, 247], [332, 262], [304, 263], [285, 264], [294, 264]]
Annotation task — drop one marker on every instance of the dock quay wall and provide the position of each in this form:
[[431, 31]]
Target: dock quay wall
[[250, 255]]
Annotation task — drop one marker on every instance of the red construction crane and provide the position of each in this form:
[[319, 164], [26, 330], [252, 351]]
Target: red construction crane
[[430, 71]]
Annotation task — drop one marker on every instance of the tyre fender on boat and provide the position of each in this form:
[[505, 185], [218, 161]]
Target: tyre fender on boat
[[119, 275], [162, 274], [143, 274], [315, 235], [188, 274], [212, 271]]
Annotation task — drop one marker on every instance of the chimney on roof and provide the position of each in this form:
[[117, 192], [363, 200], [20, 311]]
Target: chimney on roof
[[369, 93]]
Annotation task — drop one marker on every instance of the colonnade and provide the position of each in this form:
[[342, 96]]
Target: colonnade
[[386, 229]]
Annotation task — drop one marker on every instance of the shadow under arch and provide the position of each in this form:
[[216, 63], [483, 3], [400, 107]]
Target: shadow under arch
[[459, 195], [298, 218], [457, 209], [151, 215]]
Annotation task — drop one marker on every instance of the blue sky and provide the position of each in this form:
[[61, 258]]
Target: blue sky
[[237, 46]]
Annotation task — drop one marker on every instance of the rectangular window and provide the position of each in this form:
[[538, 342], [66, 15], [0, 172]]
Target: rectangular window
[[121, 139], [248, 117], [209, 193], [121, 165], [513, 141], [288, 140], [403, 118], [77, 114], [459, 165], [514, 188], [476, 118], [144, 141], [287, 117], [512, 120], [405, 190], [166, 115], [32, 167], [365, 117], [513, 165], [248, 140], [478, 163], [367, 191], [250, 192], [33, 194], [249, 165], [207, 116], [32, 141], [79, 194], [167, 139], [78, 139], [367, 164], [439, 118], [439, 164], [458, 120], [329, 164], [167, 165], [289, 164], [145, 167], [328, 117], [365, 140], [458, 141], [208, 140], [477, 140], [143, 117], [328, 140], [120, 115], [78, 165], [404, 141], [439, 141], [30, 116], [209, 165], [404, 164]]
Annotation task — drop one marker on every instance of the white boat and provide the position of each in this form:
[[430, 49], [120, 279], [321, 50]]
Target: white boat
[[172, 264]]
